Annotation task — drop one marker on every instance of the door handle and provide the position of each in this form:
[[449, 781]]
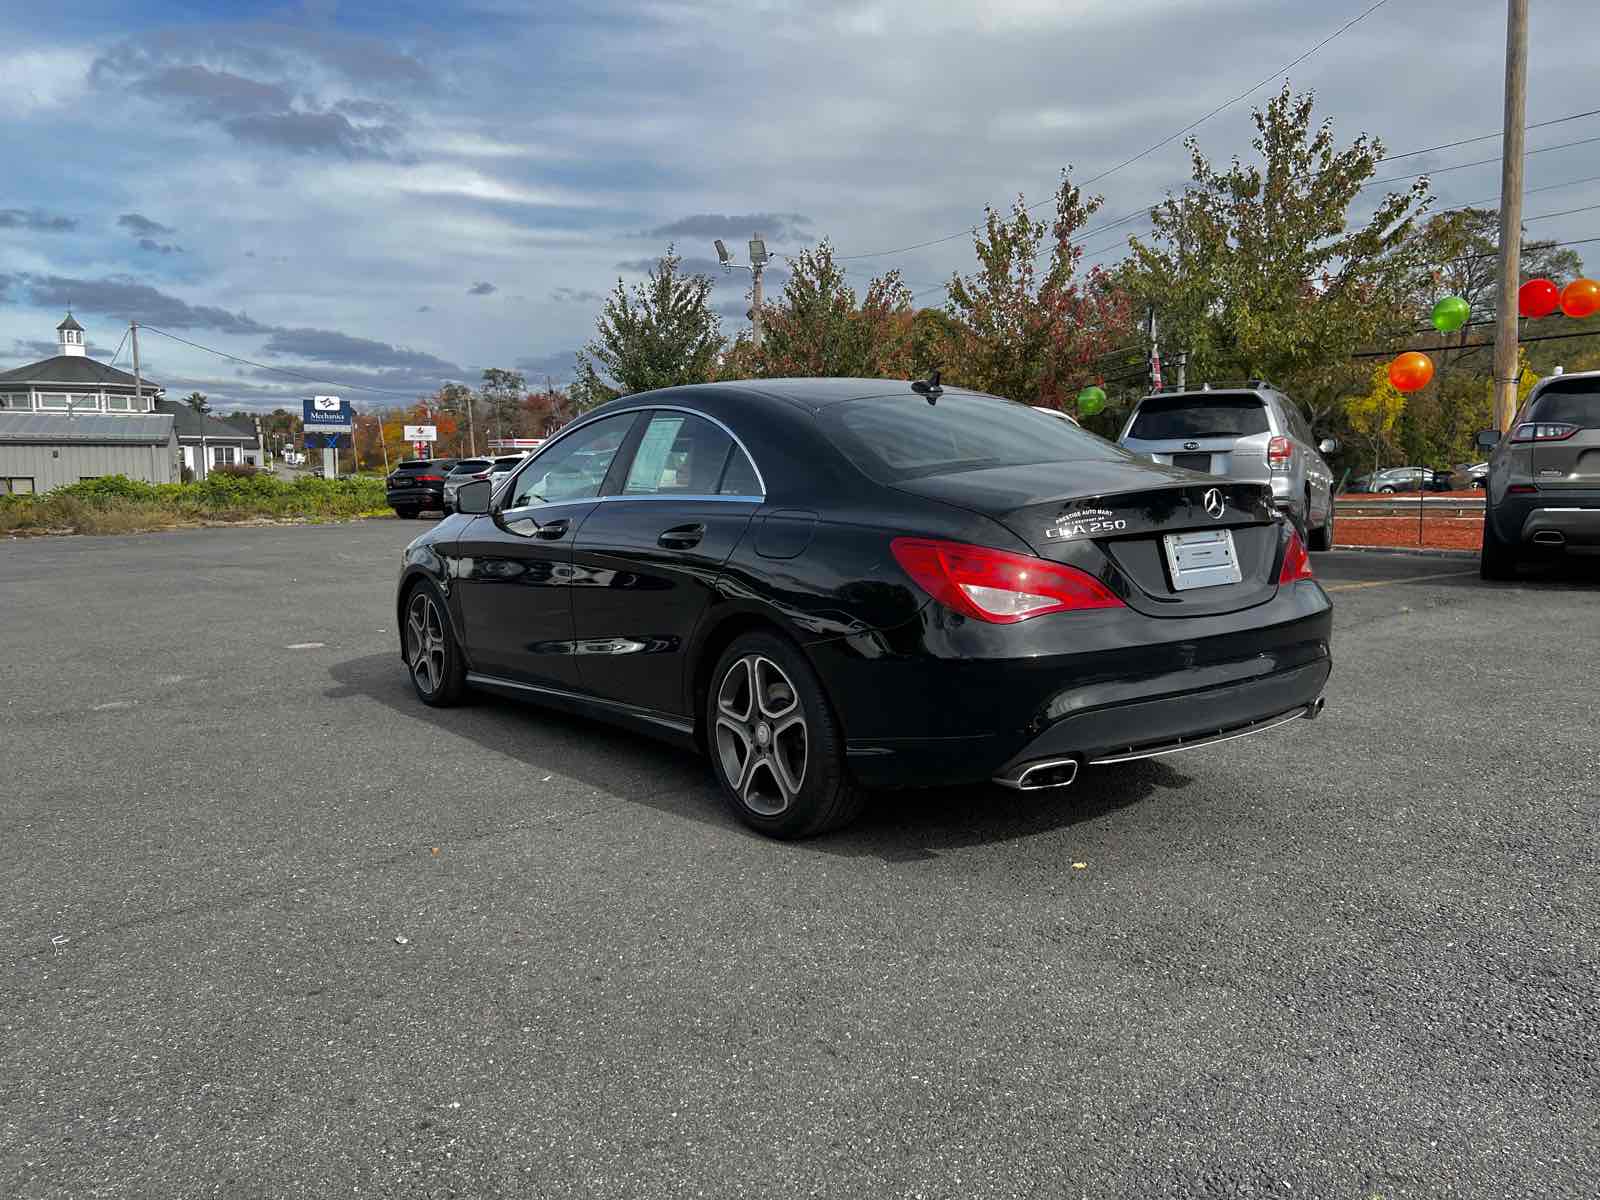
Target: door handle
[[681, 537], [552, 531]]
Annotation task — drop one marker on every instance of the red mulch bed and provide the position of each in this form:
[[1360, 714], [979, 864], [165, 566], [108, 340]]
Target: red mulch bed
[[1438, 533]]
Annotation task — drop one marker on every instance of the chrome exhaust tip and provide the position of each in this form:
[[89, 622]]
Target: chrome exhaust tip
[[1039, 776], [1549, 537], [1314, 709]]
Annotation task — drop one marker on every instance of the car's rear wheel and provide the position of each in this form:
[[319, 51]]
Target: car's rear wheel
[[775, 743], [438, 671], [1321, 538], [1497, 560], [407, 514]]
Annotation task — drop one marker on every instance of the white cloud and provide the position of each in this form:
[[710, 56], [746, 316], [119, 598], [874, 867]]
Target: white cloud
[[43, 79]]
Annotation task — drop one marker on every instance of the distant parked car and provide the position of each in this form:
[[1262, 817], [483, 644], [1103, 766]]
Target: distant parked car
[[464, 471], [1253, 434], [503, 466], [416, 484], [1543, 495], [1403, 479], [1478, 475]]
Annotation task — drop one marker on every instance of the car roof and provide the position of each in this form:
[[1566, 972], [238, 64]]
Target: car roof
[[812, 395]]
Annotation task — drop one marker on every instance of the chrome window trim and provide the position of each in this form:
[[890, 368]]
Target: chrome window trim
[[719, 499], [649, 408]]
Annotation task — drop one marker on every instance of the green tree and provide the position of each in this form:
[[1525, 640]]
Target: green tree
[[1025, 332], [1257, 270], [198, 402], [503, 393], [1374, 415], [816, 328], [660, 333]]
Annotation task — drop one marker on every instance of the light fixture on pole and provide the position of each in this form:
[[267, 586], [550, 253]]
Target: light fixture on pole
[[758, 262]]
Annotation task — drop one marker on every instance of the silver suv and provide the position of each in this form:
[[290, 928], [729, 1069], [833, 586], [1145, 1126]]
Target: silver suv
[[1252, 433], [1543, 493]]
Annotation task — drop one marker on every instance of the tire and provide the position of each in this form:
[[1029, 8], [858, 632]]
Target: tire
[[1497, 561], [1387, 491], [407, 514], [1322, 537], [433, 658], [775, 744]]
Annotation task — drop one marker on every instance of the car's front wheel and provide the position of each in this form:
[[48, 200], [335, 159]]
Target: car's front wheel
[[775, 743], [1322, 536], [438, 671]]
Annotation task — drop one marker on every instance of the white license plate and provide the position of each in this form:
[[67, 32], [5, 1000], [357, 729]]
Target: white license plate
[[1204, 558]]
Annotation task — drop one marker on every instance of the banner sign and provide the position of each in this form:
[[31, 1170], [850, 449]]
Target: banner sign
[[328, 414], [422, 433]]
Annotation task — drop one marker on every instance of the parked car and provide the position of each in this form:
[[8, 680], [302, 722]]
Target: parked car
[[417, 484], [1403, 479], [1478, 475], [503, 466], [832, 584], [1543, 494], [1252, 434], [465, 471]]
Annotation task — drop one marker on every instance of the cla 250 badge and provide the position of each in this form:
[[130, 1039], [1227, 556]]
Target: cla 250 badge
[[1086, 522]]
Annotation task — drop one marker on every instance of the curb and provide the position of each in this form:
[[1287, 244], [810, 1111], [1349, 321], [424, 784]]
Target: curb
[[1414, 551]]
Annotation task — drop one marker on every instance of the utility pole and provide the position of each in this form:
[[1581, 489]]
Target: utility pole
[[1183, 371], [1155, 354], [758, 263], [472, 435], [757, 333], [138, 386], [1505, 333]]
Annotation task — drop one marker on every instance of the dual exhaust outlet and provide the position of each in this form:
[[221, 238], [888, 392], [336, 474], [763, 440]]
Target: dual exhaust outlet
[[1062, 772]]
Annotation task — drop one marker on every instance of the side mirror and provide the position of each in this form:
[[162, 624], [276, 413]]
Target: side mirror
[[473, 498], [1328, 446], [1488, 439]]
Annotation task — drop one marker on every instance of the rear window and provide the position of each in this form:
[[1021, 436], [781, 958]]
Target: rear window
[[1170, 418], [469, 466], [1573, 403], [905, 437], [419, 464], [505, 464]]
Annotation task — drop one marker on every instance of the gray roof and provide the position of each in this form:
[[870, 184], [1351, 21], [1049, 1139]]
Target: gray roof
[[70, 323], [192, 425], [73, 370], [95, 429]]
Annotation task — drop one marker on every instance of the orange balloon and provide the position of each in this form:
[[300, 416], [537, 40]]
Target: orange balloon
[[1581, 298], [1411, 372]]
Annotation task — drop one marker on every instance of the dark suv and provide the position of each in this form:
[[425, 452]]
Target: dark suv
[[1543, 493], [417, 484]]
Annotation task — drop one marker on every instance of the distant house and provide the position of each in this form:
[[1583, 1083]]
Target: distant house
[[69, 417], [209, 441]]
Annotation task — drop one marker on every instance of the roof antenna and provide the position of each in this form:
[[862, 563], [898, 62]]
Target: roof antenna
[[929, 388]]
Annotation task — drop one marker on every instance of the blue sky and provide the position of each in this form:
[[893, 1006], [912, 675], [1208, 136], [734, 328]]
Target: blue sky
[[393, 194]]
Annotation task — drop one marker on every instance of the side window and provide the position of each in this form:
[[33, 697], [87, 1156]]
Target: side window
[[739, 478], [575, 467], [679, 455]]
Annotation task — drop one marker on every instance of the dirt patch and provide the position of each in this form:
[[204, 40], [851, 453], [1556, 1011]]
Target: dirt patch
[[1432, 533]]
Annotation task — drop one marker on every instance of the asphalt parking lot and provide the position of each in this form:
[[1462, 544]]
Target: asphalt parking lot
[[320, 940]]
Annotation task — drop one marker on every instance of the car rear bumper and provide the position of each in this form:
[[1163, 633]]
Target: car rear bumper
[[414, 497], [1559, 525], [1114, 684]]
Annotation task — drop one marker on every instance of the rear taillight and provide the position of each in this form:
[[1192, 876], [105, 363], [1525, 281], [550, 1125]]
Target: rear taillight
[[1279, 452], [429, 478], [996, 585], [1544, 431], [1522, 489], [1296, 562]]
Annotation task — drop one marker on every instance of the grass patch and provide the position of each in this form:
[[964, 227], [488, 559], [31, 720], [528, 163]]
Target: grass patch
[[115, 504]]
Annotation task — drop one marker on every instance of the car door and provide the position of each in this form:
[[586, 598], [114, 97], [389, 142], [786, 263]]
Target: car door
[[514, 567], [647, 559]]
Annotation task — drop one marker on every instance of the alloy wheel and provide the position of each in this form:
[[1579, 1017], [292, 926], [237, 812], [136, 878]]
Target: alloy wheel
[[762, 739], [425, 641]]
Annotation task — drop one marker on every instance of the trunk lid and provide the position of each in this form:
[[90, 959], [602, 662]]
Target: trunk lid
[[1112, 520], [1573, 463]]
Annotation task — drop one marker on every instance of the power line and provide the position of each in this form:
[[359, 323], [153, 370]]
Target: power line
[[1166, 141], [1479, 162], [356, 387], [1593, 112], [120, 344], [1538, 337]]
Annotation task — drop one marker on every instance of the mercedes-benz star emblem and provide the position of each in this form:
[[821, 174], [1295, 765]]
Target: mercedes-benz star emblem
[[1215, 505]]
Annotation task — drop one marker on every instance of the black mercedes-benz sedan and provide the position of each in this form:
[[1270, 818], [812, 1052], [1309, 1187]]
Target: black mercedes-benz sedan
[[836, 584]]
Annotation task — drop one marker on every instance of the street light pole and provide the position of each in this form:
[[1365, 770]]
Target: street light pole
[[757, 264], [1505, 333]]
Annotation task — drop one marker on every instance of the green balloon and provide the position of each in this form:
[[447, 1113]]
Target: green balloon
[[1090, 401], [1450, 314]]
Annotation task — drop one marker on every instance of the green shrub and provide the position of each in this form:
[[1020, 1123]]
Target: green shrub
[[108, 487]]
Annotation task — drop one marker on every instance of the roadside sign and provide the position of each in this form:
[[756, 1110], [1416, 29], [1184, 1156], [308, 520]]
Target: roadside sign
[[422, 449], [322, 439], [422, 433], [328, 414]]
